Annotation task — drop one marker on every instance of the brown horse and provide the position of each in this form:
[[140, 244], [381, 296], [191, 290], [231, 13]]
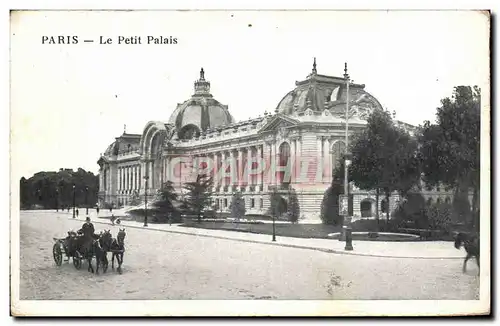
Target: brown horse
[[471, 246]]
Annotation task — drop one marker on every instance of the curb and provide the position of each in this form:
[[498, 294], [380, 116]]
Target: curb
[[334, 251]]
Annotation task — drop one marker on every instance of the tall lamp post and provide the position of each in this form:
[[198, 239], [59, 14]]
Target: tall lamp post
[[57, 200], [74, 193], [274, 228], [346, 159], [86, 205], [348, 230], [146, 177]]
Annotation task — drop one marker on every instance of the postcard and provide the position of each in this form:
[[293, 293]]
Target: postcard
[[250, 163]]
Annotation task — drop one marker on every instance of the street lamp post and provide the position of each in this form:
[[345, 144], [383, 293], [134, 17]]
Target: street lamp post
[[274, 228], [74, 193], [146, 177], [57, 200], [86, 205], [346, 170], [348, 230]]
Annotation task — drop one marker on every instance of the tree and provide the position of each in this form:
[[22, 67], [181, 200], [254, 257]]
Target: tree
[[165, 206], [330, 213], [293, 207], [450, 147], [135, 199], [237, 206], [275, 203], [384, 158], [199, 194], [55, 189], [412, 209]]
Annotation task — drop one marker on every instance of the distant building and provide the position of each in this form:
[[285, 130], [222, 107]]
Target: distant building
[[300, 143]]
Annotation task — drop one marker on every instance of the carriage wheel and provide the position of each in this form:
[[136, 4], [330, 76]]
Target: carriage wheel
[[57, 253], [77, 262]]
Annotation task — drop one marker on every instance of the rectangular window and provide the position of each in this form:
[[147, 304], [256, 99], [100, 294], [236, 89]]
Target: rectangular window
[[252, 203], [225, 202], [261, 203]]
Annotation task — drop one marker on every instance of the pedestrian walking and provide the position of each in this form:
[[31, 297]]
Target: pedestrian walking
[[77, 212], [97, 210]]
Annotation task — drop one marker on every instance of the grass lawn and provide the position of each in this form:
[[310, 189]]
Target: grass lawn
[[318, 231]]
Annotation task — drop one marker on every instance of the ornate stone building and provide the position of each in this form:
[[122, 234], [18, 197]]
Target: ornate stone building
[[296, 146]]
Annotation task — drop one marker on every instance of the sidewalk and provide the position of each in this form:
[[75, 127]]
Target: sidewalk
[[410, 250]]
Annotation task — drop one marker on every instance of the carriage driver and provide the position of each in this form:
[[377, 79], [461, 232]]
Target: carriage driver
[[88, 228]]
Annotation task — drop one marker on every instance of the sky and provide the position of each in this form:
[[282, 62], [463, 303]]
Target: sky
[[70, 101]]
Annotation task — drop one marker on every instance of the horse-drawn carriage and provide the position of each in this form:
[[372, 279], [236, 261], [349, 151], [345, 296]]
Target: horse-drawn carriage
[[80, 246]]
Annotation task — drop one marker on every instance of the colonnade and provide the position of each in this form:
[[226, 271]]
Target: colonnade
[[129, 178]]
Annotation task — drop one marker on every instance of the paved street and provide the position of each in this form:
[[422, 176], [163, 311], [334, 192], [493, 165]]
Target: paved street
[[162, 265]]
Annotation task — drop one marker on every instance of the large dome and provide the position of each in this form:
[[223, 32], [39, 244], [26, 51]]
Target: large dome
[[200, 112], [320, 92]]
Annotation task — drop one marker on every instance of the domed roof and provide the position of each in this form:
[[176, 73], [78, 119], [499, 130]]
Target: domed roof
[[201, 111], [320, 92], [111, 149]]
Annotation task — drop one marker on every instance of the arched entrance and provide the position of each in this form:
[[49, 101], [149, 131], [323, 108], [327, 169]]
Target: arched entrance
[[367, 207]]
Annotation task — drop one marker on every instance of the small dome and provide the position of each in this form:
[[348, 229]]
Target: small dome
[[111, 149], [200, 112]]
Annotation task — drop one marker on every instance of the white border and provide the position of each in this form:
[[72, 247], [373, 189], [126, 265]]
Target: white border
[[244, 307]]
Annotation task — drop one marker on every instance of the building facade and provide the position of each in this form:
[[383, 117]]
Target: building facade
[[296, 146]]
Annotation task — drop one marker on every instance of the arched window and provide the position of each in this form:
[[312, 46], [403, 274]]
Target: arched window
[[366, 208], [447, 200], [283, 160], [189, 131], [338, 149]]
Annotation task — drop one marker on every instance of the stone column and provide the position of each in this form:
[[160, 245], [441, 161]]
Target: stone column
[[225, 155], [319, 160], [162, 171], [139, 177], [293, 158], [273, 163], [249, 176], [268, 171], [260, 175], [240, 174], [124, 179], [298, 152], [136, 186], [152, 174], [129, 179], [218, 169], [215, 169], [329, 167], [109, 181], [131, 171], [101, 184], [119, 180]]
